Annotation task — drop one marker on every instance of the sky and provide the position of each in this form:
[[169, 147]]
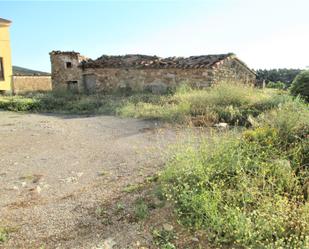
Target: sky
[[263, 33]]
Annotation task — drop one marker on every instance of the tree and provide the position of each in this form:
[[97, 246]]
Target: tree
[[274, 75], [300, 85]]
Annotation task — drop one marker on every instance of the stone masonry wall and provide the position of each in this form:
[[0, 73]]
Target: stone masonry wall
[[22, 84], [232, 70], [139, 72], [61, 73], [109, 79]]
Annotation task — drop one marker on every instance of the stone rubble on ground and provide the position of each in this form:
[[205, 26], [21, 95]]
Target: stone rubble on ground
[[222, 125], [168, 227]]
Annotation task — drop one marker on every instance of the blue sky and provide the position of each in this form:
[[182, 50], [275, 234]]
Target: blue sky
[[263, 33]]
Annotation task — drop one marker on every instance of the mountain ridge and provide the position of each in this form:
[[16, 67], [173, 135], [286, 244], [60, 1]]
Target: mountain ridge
[[28, 72]]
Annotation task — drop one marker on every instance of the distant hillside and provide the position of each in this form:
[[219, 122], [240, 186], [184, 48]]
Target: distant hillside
[[26, 71]]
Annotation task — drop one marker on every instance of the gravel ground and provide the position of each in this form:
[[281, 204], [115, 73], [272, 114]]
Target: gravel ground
[[57, 170]]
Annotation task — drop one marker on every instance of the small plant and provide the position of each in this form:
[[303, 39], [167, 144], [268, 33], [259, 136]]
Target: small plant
[[132, 188], [3, 234], [104, 216], [101, 211], [164, 238], [102, 173], [119, 207], [141, 210]]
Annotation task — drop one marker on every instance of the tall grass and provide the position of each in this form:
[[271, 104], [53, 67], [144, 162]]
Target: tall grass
[[226, 102], [251, 190], [62, 102]]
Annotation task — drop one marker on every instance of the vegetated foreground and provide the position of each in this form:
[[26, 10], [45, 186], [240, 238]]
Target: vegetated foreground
[[250, 191], [232, 189]]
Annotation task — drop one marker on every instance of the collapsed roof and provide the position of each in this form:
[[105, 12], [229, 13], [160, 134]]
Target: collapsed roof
[[146, 61]]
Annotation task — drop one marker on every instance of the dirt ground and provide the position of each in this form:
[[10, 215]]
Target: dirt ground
[[56, 171]]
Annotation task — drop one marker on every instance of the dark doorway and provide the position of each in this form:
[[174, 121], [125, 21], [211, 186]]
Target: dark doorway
[[89, 83], [72, 86]]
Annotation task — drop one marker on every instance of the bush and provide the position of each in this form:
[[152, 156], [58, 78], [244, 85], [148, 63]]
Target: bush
[[19, 104], [247, 191], [300, 85], [62, 102], [226, 102], [276, 85]]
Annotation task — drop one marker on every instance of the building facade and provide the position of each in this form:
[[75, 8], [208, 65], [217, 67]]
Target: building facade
[[5, 57], [106, 74]]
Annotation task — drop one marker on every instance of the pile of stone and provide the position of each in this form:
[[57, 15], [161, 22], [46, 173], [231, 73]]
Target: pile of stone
[[146, 61]]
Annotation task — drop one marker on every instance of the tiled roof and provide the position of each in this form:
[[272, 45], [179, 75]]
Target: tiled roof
[[146, 61]]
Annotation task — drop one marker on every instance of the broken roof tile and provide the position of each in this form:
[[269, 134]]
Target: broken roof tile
[[146, 61]]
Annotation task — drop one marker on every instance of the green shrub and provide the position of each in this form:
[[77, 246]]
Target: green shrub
[[300, 85], [276, 85], [3, 234], [19, 104], [247, 191], [225, 102], [141, 210]]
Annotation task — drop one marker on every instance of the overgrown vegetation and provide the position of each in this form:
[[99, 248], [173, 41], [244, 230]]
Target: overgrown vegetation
[[274, 75], [229, 103], [61, 102], [300, 85], [249, 190], [277, 85], [246, 190]]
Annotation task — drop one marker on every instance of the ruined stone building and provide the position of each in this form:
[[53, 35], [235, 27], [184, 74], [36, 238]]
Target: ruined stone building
[[72, 71]]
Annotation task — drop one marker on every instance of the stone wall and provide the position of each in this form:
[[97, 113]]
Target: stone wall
[[141, 72], [65, 71], [109, 79], [22, 84], [232, 70]]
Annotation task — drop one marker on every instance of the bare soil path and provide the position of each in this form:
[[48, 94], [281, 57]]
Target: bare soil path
[[56, 170]]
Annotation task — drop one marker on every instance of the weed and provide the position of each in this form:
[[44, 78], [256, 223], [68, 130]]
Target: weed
[[3, 234], [102, 173], [101, 211], [132, 188], [141, 210], [247, 191], [164, 238], [119, 207]]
